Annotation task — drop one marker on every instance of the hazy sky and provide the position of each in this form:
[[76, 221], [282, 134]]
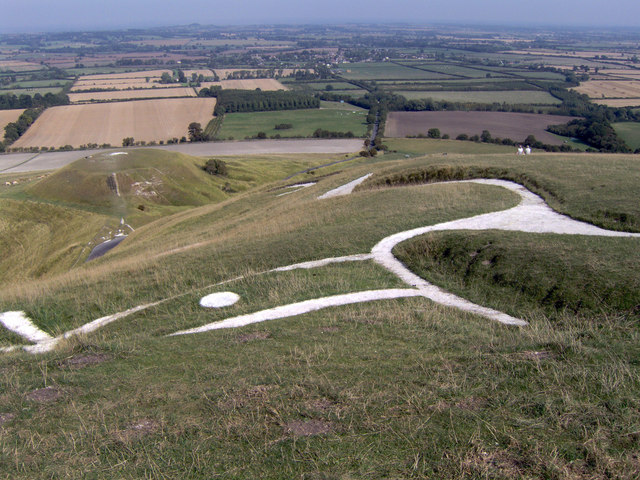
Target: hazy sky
[[44, 15]]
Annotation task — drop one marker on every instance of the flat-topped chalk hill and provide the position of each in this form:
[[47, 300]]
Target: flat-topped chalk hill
[[131, 178]]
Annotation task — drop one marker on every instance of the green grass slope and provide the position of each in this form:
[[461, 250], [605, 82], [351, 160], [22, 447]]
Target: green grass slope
[[38, 239], [144, 177], [391, 389]]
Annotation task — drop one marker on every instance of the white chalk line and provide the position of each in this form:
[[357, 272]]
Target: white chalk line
[[344, 189], [20, 324], [531, 215], [48, 343], [296, 188]]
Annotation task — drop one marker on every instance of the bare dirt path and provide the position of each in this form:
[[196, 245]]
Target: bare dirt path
[[531, 215]]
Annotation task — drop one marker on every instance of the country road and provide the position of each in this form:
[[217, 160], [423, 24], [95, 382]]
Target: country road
[[31, 162]]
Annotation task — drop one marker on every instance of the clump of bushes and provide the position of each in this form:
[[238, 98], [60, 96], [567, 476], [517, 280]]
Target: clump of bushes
[[216, 167]]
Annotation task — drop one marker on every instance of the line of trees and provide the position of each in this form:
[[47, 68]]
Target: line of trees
[[230, 101], [10, 101]]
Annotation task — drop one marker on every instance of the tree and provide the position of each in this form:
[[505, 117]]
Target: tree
[[433, 133], [195, 132], [215, 167], [166, 78], [486, 136], [128, 142]]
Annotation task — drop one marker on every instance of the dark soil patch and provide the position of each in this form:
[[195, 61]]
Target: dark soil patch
[[6, 417], [248, 337], [44, 395], [307, 428], [516, 126], [84, 360]]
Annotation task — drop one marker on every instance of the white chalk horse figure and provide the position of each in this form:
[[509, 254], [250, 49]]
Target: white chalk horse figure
[[531, 215]]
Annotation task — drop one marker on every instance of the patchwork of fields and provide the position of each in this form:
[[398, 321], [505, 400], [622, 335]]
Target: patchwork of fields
[[516, 126], [145, 120]]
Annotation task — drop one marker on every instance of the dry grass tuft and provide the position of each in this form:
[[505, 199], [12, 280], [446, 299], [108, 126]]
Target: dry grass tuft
[[307, 428], [249, 337]]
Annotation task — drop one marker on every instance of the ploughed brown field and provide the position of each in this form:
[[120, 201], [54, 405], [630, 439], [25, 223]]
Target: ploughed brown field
[[144, 120], [516, 126], [132, 94]]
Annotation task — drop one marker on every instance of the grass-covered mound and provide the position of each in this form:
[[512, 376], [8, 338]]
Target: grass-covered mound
[[538, 273], [143, 177]]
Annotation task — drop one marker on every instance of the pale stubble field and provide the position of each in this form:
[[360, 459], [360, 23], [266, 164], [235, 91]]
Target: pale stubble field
[[144, 120]]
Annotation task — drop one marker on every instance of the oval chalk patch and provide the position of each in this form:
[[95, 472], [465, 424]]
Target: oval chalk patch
[[219, 300]]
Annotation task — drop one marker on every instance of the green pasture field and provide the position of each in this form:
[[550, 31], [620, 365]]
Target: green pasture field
[[335, 85], [30, 91], [304, 122], [389, 389], [354, 93], [454, 69], [472, 84], [340, 106], [40, 84], [386, 71], [512, 97], [630, 133]]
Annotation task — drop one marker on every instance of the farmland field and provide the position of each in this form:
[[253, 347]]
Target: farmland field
[[145, 120], [121, 75], [30, 91], [118, 84], [8, 116], [387, 71], [132, 94], [630, 133], [516, 126], [610, 89], [529, 97], [303, 122], [18, 65], [618, 102], [267, 84], [224, 73]]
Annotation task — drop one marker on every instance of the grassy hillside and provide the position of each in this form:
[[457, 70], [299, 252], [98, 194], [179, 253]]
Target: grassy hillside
[[390, 389], [630, 133], [47, 223], [600, 189], [38, 239]]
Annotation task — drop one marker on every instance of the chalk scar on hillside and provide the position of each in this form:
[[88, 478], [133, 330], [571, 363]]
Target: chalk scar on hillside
[[531, 215]]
